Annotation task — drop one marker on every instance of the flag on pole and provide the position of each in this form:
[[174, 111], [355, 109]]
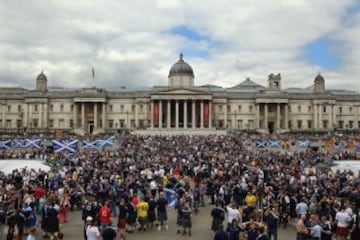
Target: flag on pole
[[93, 71]]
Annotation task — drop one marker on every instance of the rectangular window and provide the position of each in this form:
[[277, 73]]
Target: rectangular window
[[35, 107], [351, 124], [9, 108], [341, 124], [61, 108], [250, 109], [350, 109], [71, 107], [122, 123], [132, 123], [18, 123], [132, 108], [36, 122], [299, 124], [324, 111], [340, 110], [111, 123], [121, 108], [309, 109], [309, 124], [8, 123], [19, 108], [229, 108], [239, 108], [141, 108], [51, 123], [141, 123], [71, 123], [51, 108], [111, 108], [290, 124], [239, 124], [325, 124], [220, 108]]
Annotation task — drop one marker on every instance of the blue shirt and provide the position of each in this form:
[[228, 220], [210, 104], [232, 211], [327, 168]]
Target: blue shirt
[[316, 231]]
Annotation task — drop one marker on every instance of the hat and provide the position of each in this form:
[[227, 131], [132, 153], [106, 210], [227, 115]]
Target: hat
[[89, 219]]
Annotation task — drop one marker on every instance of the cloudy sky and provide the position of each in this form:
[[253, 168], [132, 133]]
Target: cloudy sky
[[133, 43]]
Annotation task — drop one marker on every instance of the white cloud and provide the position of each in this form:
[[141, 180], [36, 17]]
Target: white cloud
[[130, 42]]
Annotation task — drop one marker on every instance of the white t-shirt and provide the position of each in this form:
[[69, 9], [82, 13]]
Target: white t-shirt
[[233, 214], [343, 219], [92, 232]]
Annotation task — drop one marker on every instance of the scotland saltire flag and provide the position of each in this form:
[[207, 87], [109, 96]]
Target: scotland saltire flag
[[106, 142], [90, 144], [302, 143], [19, 143], [5, 144], [65, 145], [170, 196], [275, 143], [261, 144], [33, 143]]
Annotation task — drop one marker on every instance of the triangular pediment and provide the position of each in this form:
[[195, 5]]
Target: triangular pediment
[[183, 91]]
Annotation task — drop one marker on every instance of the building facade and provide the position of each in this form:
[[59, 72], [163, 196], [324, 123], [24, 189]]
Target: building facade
[[179, 105]]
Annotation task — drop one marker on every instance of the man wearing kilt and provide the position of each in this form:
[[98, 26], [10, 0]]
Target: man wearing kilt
[[186, 219]]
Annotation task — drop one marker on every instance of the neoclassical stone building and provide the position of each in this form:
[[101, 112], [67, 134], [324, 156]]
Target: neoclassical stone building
[[180, 105]]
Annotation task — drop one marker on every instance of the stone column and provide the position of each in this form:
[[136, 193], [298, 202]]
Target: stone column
[[257, 115], [278, 116], [225, 116], [185, 113], [330, 117], [152, 114], [46, 120], [356, 125], [286, 117], [315, 116], [95, 115], [136, 115], [210, 114], [40, 115], [82, 115], [202, 114], [160, 113], [177, 114], [74, 117], [103, 116], [3, 107], [26, 115], [334, 115], [168, 114], [320, 117], [193, 113], [266, 116]]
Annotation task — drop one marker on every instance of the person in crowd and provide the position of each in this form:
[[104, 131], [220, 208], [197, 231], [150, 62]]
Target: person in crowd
[[108, 233], [142, 213], [301, 229], [234, 230], [233, 213], [186, 217], [221, 234], [92, 230], [32, 234], [218, 217], [161, 205], [104, 215], [122, 218], [272, 221]]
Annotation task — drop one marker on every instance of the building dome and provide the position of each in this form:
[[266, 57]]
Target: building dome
[[41, 76], [319, 78], [181, 68]]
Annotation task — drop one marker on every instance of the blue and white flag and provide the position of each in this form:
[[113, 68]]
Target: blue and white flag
[[65, 145], [106, 142], [19, 143], [275, 143], [302, 143], [33, 143], [90, 144], [170, 196], [5, 144], [261, 143]]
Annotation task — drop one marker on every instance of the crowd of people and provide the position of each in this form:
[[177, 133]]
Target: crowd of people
[[253, 191]]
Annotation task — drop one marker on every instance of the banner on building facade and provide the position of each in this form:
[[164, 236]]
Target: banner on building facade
[[206, 112], [156, 112]]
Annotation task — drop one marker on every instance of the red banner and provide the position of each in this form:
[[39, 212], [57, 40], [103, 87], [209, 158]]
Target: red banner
[[156, 112], [206, 112]]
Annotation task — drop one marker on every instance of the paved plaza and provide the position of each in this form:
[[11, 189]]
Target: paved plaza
[[201, 228]]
